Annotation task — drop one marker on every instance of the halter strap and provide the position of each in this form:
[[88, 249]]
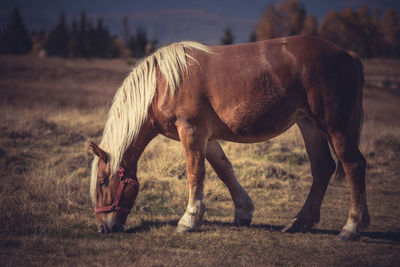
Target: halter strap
[[116, 206]]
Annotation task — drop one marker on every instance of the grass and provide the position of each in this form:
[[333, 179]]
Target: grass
[[49, 109]]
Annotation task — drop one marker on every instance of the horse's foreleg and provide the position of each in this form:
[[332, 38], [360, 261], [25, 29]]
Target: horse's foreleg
[[322, 168], [194, 146], [243, 205]]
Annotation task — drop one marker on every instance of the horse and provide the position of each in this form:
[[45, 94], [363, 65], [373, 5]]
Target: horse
[[244, 93]]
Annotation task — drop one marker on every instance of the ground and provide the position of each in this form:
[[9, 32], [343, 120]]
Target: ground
[[51, 107]]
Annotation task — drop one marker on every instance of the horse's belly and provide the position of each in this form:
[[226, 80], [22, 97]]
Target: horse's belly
[[255, 122]]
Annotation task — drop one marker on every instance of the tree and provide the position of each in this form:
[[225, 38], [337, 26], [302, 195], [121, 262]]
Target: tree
[[292, 15], [57, 43], [82, 42], [370, 35], [2, 42], [358, 31], [334, 28], [16, 39], [74, 39], [87, 40], [227, 38], [310, 25], [252, 37], [103, 43], [137, 43], [289, 18], [391, 33], [267, 26], [126, 31]]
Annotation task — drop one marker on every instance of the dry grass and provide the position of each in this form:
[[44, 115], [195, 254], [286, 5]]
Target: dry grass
[[50, 107]]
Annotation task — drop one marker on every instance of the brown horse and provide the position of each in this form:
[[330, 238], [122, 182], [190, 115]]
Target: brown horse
[[242, 93]]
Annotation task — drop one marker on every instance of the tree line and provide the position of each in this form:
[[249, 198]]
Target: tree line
[[79, 39], [363, 31]]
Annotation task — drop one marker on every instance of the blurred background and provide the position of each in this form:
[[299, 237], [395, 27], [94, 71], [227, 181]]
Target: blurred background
[[126, 28]]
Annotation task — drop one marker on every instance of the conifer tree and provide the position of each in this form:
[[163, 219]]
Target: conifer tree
[[141, 38], [16, 39], [2, 42], [137, 43], [103, 42], [73, 40], [126, 31], [82, 40], [227, 38], [57, 43]]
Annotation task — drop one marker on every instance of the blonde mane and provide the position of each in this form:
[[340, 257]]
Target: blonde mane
[[133, 99]]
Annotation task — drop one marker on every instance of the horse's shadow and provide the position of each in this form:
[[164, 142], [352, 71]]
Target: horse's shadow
[[374, 237]]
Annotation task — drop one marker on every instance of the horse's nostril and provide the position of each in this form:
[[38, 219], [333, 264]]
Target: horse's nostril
[[103, 229]]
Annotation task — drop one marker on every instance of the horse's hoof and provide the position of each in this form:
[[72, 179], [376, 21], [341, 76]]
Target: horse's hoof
[[180, 229], [295, 226], [241, 222], [347, 235]]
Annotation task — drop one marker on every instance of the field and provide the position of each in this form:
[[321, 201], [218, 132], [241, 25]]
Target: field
[[51, 107]]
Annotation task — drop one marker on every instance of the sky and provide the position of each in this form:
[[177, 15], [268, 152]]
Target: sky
[[172, 20]]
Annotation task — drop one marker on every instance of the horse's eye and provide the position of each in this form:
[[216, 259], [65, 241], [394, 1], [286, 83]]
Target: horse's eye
[[102, 181]]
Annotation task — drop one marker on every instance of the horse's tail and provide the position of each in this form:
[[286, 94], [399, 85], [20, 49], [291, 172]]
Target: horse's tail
[[356, 120]]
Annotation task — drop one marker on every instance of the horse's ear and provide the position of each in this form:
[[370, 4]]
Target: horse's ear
[[98, 152]]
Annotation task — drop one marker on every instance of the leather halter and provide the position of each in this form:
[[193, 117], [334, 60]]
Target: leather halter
[[116, 206]]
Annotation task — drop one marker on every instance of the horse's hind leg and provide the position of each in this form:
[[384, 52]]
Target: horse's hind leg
[[354, 164], [322, 168], [243, 205]]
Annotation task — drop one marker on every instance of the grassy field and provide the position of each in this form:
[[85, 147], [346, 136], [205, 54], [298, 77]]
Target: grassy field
[[49, 109]]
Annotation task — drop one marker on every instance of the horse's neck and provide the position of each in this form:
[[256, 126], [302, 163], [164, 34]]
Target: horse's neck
[[135, 150]]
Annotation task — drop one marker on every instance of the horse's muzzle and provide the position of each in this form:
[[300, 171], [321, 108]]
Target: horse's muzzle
[[115, 228]]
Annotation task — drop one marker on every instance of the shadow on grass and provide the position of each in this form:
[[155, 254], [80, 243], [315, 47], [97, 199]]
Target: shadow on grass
[[374, 237], [146, 225]]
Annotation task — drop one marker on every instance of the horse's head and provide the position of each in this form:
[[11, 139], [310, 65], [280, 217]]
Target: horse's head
[[113, 195]]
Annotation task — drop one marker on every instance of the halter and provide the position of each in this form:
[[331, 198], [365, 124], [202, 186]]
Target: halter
[[115, 206]]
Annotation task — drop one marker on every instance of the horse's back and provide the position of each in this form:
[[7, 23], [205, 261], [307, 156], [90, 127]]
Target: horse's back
[[255, 91]]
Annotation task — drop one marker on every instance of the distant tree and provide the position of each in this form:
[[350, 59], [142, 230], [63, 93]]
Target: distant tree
[[83, 41], [141, 38], [369, 42], [310, 25], [333, 28], [391, 33], [126, 31], [358, 31], [252, 37], [289, 18], [137, 43], [227, 38], [104, 44], [267, 26], [93, 47], [2, 42], [87, 40], [16, 39], [57, 43], [292, 15], [74, 39]]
